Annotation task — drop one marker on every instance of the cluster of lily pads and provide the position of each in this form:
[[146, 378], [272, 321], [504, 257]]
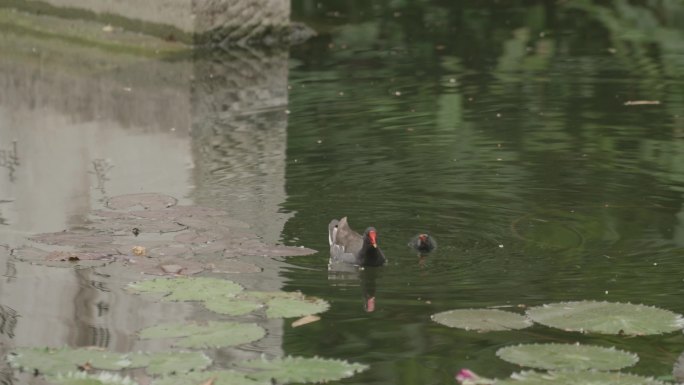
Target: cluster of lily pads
[[568, 363], [77, 367], [152, 234]]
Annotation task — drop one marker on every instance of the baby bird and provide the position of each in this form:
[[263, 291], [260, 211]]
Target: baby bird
[[423, 243]]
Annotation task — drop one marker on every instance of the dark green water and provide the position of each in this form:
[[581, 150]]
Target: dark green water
[[501, 128]]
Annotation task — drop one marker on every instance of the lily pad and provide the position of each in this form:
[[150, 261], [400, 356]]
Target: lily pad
[[295, 307], [282, 304], [220, 377], [83, 378], [79, 259], [167, 266], [231, 306], [64, 360], [170, 362], [148, 201], [606, 318], [567, 356], [73, 238], [574, 378], [209, 335], [482, 320], [189, 289], [299, 369]]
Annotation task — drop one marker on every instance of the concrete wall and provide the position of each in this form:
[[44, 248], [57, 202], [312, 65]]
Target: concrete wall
[[229, 22]]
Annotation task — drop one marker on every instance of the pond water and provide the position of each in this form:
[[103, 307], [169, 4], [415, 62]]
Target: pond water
[[506, 132], [541, 144]]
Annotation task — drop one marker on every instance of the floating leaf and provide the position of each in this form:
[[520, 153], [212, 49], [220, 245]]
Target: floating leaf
[[73, 238], [221, 377], [64, 360], [482, 320], [209, 335], [574, 378], [189, 289], [567, 356], [83, 378], [77, 259], [305, 320], [299, 369], [231, 306], [606, 317], [170, 362], [295, 307], [148, 201]]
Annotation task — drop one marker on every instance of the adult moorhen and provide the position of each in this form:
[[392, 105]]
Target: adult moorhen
[[347, 246], [423, 243]]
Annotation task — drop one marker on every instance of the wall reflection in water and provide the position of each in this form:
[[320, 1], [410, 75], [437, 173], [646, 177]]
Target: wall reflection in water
[[79, 125]]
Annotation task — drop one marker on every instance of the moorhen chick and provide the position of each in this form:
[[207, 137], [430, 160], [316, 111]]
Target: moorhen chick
[[423, 243], [348, 246]]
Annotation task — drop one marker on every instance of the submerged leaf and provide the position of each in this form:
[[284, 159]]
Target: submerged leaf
[[482, 319], [299, 369], [189, 289], [575, 377], [567, 356], [221, 377], [209, 335], [606, 317], [148, 201]]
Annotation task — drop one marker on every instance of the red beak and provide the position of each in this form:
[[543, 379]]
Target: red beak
[[373, 238]]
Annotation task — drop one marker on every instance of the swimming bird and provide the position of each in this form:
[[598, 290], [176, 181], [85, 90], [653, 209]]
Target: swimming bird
[[348, 246], [423, 243]]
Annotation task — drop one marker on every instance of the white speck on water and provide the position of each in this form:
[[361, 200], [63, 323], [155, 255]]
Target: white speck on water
[[319, 141], [341, 93], [287, 112], [452, 80], [501, 246], [606, 292], [498, 115], [397, 93], [655, 263]]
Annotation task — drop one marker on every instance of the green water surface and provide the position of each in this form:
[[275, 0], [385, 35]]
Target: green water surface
[[505, 130]]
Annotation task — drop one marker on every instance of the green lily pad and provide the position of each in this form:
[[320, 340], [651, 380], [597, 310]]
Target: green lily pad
[[170, 362], [482, 320], [64, 360], [83, 378], [574, 378], [567, 356], [188, 289], [231, 306], [221, 377], [295, 307], [209, 335], [282, 304], [299, 369], [606, 318]]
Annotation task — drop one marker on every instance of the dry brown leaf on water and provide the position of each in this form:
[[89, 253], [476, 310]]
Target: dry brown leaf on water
[[305, 320], [139, 251], [641, 102]]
